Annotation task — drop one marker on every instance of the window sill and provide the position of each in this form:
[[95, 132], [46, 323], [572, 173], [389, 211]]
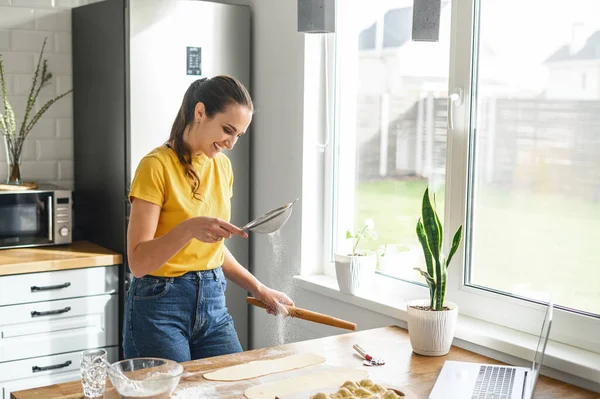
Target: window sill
[[563, 362]]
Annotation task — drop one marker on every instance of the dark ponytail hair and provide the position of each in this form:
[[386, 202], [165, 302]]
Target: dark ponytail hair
[[216, 94]]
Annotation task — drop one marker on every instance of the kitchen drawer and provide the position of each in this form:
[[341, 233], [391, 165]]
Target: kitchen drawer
[[39, 316], [37, 287], [89, 322], [19, 375], [55, 365]]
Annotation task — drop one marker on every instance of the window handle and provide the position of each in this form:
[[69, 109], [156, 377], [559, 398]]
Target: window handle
[[454, 98]]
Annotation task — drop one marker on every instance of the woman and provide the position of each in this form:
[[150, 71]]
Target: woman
[[180, 207]]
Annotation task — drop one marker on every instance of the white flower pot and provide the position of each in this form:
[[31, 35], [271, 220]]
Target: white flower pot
[[431, 332], [355, 273]]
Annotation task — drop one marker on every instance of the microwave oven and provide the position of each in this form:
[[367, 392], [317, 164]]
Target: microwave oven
[[39, 217]]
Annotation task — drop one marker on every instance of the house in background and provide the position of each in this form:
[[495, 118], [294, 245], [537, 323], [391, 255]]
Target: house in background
[[402, 91], [574, 69]]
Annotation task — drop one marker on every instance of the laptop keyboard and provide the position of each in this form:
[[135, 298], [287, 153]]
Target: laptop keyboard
[[494, 382]]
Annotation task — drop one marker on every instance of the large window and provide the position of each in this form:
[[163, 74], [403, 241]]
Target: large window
[[520, 167], [535, 191]]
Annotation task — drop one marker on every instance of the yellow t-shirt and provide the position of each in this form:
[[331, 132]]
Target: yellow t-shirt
[[160, 179]]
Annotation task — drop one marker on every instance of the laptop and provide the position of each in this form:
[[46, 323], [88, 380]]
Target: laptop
[[465, 380]]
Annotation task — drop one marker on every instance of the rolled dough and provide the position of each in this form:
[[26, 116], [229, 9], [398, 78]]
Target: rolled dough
[[259, 368], [304, 383]]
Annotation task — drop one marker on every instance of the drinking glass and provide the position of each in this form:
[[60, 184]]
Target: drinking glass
[[93, 373]]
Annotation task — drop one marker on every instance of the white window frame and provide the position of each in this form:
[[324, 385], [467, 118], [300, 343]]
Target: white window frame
[[331, 152], [523, 315], [344, 138]]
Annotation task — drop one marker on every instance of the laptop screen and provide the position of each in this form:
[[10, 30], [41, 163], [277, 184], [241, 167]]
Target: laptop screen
[[541, 348]]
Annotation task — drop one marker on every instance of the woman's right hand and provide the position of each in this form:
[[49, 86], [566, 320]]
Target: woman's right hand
[[211, 230]]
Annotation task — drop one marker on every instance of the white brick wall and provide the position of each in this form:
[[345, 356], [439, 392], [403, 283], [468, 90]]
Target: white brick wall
[[48, 150]]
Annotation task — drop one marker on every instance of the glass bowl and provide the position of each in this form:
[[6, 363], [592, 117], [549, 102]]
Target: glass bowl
[[149, 378]]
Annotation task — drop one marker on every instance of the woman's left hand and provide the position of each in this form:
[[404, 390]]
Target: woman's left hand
[[274, 300]]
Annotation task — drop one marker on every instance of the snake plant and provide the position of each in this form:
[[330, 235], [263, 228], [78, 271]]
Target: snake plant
[[430, 233]]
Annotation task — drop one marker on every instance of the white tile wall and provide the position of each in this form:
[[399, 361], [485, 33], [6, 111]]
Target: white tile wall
[[48, 150]]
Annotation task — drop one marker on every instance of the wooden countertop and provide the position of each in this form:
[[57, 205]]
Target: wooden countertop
[[43, 259], [403, 369]]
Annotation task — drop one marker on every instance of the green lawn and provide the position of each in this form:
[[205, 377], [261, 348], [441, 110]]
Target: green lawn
[[523, 242]]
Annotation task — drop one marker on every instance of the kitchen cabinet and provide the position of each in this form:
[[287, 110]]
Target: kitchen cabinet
[[55, 302]]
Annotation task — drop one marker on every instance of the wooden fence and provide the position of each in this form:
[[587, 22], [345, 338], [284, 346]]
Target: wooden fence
[[538, 144]]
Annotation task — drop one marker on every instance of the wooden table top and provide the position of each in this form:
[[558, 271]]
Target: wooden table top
[[403, 368], [78, 255]]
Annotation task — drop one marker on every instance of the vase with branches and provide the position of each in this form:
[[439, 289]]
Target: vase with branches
[[14, 136]]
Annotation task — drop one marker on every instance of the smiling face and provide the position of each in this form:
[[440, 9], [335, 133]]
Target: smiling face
[[213, 115], [210, 135]]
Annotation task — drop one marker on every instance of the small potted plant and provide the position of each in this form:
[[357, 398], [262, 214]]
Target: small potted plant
[[354, 271], [13, 137], [432, 322]]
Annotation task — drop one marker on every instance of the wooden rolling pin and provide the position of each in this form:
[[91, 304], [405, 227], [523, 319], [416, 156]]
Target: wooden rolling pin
[[304, 314]]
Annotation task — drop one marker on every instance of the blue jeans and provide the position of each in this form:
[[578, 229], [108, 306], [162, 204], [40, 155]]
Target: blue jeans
[[179, 318]]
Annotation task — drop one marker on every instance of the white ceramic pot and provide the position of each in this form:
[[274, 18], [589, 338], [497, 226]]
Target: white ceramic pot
[[355, 273], [431, 332]]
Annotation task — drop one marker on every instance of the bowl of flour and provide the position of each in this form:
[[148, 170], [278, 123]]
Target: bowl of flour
[[146, 378]]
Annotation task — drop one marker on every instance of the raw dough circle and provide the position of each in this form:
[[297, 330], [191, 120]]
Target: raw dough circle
[[259, 368], [303, 383]]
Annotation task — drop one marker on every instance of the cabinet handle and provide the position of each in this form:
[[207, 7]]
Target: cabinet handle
[[50, 312], [35, 288], [37, 369]]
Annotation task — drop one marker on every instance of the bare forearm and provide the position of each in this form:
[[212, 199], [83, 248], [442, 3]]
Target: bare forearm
[[235, 272], [151, 255]]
